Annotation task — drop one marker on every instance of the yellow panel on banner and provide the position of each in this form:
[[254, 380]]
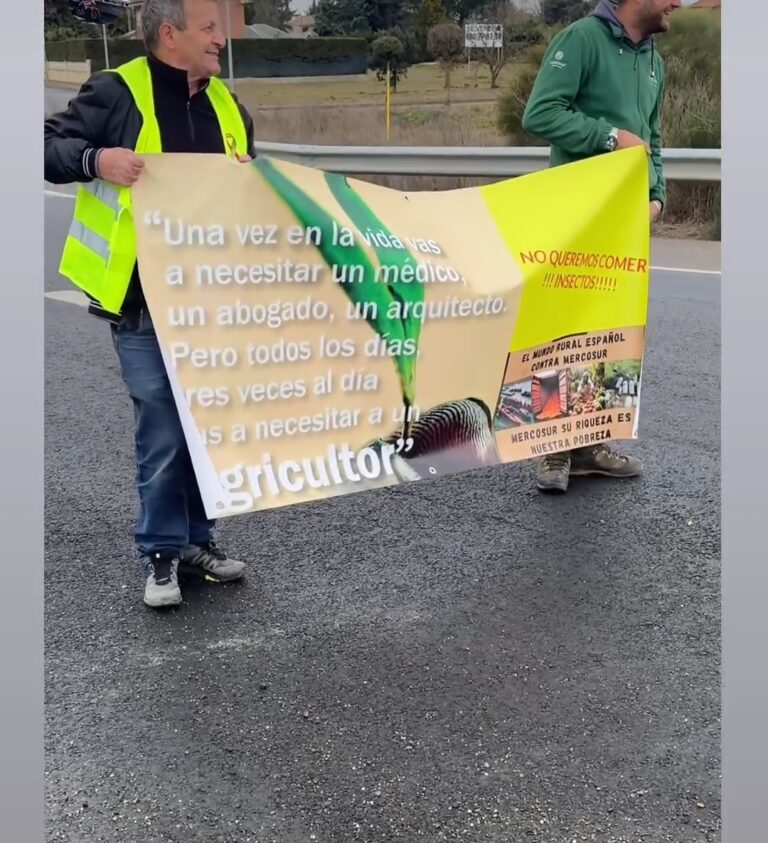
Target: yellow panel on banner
[[577, 232]]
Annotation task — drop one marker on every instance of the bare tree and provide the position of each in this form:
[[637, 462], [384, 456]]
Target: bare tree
[[446, 43], [518, 31], [388, 54]]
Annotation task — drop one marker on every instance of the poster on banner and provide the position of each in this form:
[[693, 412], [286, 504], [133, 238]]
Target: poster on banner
[[324, 335]]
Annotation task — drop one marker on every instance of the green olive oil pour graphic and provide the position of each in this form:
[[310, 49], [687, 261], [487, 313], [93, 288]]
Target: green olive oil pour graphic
[[379, 292]]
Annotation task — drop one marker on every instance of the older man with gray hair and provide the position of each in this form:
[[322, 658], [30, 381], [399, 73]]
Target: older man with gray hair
[[167, 101]]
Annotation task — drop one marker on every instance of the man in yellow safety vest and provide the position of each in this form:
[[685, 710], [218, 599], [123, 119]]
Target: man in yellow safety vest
[[168, 101]]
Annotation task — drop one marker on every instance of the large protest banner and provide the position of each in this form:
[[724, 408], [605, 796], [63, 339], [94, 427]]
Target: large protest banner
[[325, 335]]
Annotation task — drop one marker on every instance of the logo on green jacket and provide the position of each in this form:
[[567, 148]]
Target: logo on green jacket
[[557, 60]]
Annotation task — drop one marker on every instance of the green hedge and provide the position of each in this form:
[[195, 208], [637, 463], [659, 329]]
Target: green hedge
[[251, 58]]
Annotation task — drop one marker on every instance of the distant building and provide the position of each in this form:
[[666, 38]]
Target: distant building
[[301, 26], [263, 30]]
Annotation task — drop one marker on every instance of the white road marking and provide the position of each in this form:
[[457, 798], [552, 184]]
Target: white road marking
[[689, 271], [684, 270], [69, 297]]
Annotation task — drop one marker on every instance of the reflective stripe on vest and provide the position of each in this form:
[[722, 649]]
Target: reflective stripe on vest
[[100, 249]]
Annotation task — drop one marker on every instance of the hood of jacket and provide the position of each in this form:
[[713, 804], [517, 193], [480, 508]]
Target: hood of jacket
[[606, 10]]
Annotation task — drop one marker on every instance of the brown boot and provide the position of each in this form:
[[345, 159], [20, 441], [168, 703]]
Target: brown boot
[[552, 472], [600, 459]]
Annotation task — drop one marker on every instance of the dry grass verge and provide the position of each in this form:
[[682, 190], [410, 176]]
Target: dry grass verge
[[459, 125], [422, 86], [351, 111]]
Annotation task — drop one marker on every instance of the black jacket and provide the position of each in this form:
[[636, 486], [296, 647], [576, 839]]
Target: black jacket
[[104, 115]]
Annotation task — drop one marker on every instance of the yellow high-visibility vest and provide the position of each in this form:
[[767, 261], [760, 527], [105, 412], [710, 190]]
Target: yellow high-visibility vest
[[100, 249]]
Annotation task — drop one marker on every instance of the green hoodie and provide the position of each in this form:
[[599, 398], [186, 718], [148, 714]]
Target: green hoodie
[[594, 78]]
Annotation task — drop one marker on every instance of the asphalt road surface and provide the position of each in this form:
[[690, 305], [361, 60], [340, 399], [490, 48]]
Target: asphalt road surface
[[461, 660]]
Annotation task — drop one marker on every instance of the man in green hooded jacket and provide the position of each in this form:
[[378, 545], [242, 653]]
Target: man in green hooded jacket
[[599, 89]]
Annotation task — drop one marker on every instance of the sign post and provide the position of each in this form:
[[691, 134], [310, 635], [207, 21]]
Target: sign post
[[483, 36], [106, 45], [229, 45], [388, 102]]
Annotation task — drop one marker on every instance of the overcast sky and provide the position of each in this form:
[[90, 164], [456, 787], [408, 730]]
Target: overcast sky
[[301, 6]]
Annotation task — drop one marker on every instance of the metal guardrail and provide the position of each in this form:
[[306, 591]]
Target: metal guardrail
[[486, 161]]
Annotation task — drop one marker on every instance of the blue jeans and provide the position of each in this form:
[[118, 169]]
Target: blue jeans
[[171, 513]]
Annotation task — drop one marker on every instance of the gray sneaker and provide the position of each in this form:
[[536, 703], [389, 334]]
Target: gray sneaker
[[161, 587], [600, 459], [210, 563], [552, 472]]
